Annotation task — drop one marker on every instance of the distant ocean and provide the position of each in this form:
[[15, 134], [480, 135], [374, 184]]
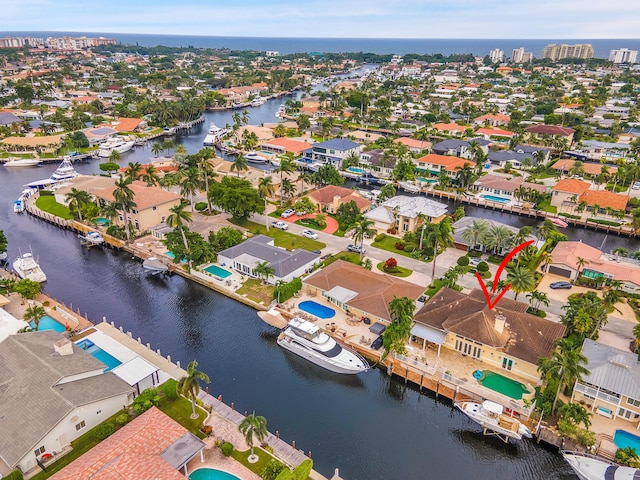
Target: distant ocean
[[372, 45]]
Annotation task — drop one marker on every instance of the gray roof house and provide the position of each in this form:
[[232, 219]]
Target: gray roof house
[[51, 392], [612, 386], [460, 148], [286, 265], [334, 151], [516, 156], [7, 118]]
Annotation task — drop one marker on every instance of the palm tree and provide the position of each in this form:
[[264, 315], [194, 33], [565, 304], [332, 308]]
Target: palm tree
[[362, 228], [546, 229], [150, 176], [34, 313], [580, 263], [263, 271], [239, 164], [77, 199], [133, 171], [420, 219], [189, 184], [266, 189], [548, 260], [440, 235], [115, 156], [253, 426], [498, 238], [205, 166], [176, 220], [521, 279], [156, 148], [537, 298], [123, 195], [189, 386], [287, 188], [287, 165], [476, 233], [566, 364], [465, 176]]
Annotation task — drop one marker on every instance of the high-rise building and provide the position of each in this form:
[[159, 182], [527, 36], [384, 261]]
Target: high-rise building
[[557, 52], [624, 55], [520, 56], [496, 55]]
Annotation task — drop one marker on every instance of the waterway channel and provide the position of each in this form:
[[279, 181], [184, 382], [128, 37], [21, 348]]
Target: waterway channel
[[370, 426]]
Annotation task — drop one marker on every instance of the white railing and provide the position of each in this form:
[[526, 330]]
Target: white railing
[[595, 393], [414, 364]]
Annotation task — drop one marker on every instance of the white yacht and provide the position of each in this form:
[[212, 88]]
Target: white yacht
[[27, 267], [214, 135], [119, 144], [281, 111], [65, 171], [253, 157], [492, 419], [307, 340], [256, 102], [590, 467], [18, 206], [91, 238], [22, 162]]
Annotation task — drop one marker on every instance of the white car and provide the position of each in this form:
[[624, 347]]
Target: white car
[[310, 234], [280, 225], [287, 213], [636, 186]]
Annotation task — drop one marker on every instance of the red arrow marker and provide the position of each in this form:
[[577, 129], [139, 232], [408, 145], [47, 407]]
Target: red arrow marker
[[502, 266]]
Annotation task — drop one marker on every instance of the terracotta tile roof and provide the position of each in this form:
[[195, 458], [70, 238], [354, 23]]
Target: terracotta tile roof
[[495, 132], [498, 117], [571, 185], [133, 452], [127, 124], [144, 196], [450, 163], [294, 146], [566, 164], [604, 198], [550, 130], [374, 291], [325, 195], [413, 143], [447, 127], [525, 336]]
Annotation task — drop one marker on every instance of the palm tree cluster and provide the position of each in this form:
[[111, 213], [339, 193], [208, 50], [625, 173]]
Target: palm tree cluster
[[398, 331]]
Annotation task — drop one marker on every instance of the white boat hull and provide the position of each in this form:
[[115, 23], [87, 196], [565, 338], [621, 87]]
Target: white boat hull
[[22, 163], [589, 467], [27, 268], [502, 425], [315, 357]]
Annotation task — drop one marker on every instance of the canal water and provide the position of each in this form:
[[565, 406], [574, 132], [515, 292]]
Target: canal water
[[370, 426]]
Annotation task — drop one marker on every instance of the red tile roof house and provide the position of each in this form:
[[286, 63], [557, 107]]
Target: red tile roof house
[[537, 132], [415, 146], [567, 191], [152, 446], [493, 120], [451, 129], [497, 133], [330, 198], [286, 145]]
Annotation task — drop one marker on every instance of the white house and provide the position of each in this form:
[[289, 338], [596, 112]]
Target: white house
[[334, 151]]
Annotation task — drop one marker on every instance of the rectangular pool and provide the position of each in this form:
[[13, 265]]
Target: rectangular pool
[[493, 198], [218, 272], [356, 170], [47, 323], [109, 360], [624, 439], [316, 309], [501, 384]]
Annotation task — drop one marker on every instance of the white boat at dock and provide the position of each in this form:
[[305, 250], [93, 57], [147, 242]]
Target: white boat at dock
[[308, 341], [119, 144], [253, 157], [214, 135], [154, 265], [27, 267], [65, 171], [409, 187], [256, 102], [22, 162], [494, 421], [590, 467], [558, 222], [92, 238], [281, 111], [18, 206]]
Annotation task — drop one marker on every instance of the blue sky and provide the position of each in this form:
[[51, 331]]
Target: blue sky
[[332, 18]]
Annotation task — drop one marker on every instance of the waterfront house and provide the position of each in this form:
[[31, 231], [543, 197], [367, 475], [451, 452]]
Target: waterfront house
[[53, 392], [592, 169], [434, 163], [414, 146], [284, 145], [597, 265], [536, 133], [612, 386], [567, 191], [329, 198], [402, 214], [600, 200], [334, 151], [358, 291], [505, 338], [465, 222], [505, 187], [286, 265], [516, 156], [461, 148], [152, 205], [152, 445], [378, 162]]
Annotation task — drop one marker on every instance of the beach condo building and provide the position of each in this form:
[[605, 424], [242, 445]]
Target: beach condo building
[[402, 214], [334, 151], [505, 338]]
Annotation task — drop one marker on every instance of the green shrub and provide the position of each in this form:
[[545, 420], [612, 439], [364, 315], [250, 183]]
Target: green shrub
[[271, 470], [104, 430], [46, 193], [201, 206], [227, 449], [483, 267], [380, 237], [15, 475], [122, 419], [147, 399], [601, 221], [463, 261], [170, 389], [287, 290]]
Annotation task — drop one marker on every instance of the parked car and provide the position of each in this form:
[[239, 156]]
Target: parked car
[[474, 261], [318, 252], [636, 186], [377, 343], [355, 248], [560, 285], [310, 234], [287, 213], [280, 225]]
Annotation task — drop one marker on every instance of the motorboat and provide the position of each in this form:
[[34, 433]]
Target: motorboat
[[3, 257], [92, 238], [154, 265], [27, 267], [494, 421], [65, 171], [119, 144], [22, 162], [256, 102], [590, 467], [253, 157], [308, 341], [558, 222], [18, 206], [214, 135], [281, 111]]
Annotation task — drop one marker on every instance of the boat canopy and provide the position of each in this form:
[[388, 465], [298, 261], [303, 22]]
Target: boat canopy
[[492, 407]]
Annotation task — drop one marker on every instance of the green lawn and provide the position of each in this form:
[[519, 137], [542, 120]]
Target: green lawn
[[263, 459], [388, 243], [350, 257], [397, 272], [432, 290], [180, 411], [310, 223], [47, 203], [284, 239], [256, 291]]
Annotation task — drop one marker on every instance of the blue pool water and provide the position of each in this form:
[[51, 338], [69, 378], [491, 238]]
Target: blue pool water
[[356, 170], [316, 309], [624, 439], [218, 272], [427, 180], [47, 323], [211, 474], [109, 360], [172, 255], [493, 198]]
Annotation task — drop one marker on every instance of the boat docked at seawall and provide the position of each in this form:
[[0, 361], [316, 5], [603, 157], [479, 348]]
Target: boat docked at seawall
[[308, 341], [253, 157], [92, 238], [256, 102], [27, 267], [154, 265], [490, 416], [214, 135], [18, 206], [590, 467], [22, 162], [65, 171], [558, 222], [118, 144], [281, 111]]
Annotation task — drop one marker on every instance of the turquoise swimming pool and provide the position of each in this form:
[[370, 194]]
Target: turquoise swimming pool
[[356, 170], [316, 309], [211, 474], [172, 256], [493, 198], [47, 323], [624, 439], [109, 360], [427, 180], [218, 272]]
